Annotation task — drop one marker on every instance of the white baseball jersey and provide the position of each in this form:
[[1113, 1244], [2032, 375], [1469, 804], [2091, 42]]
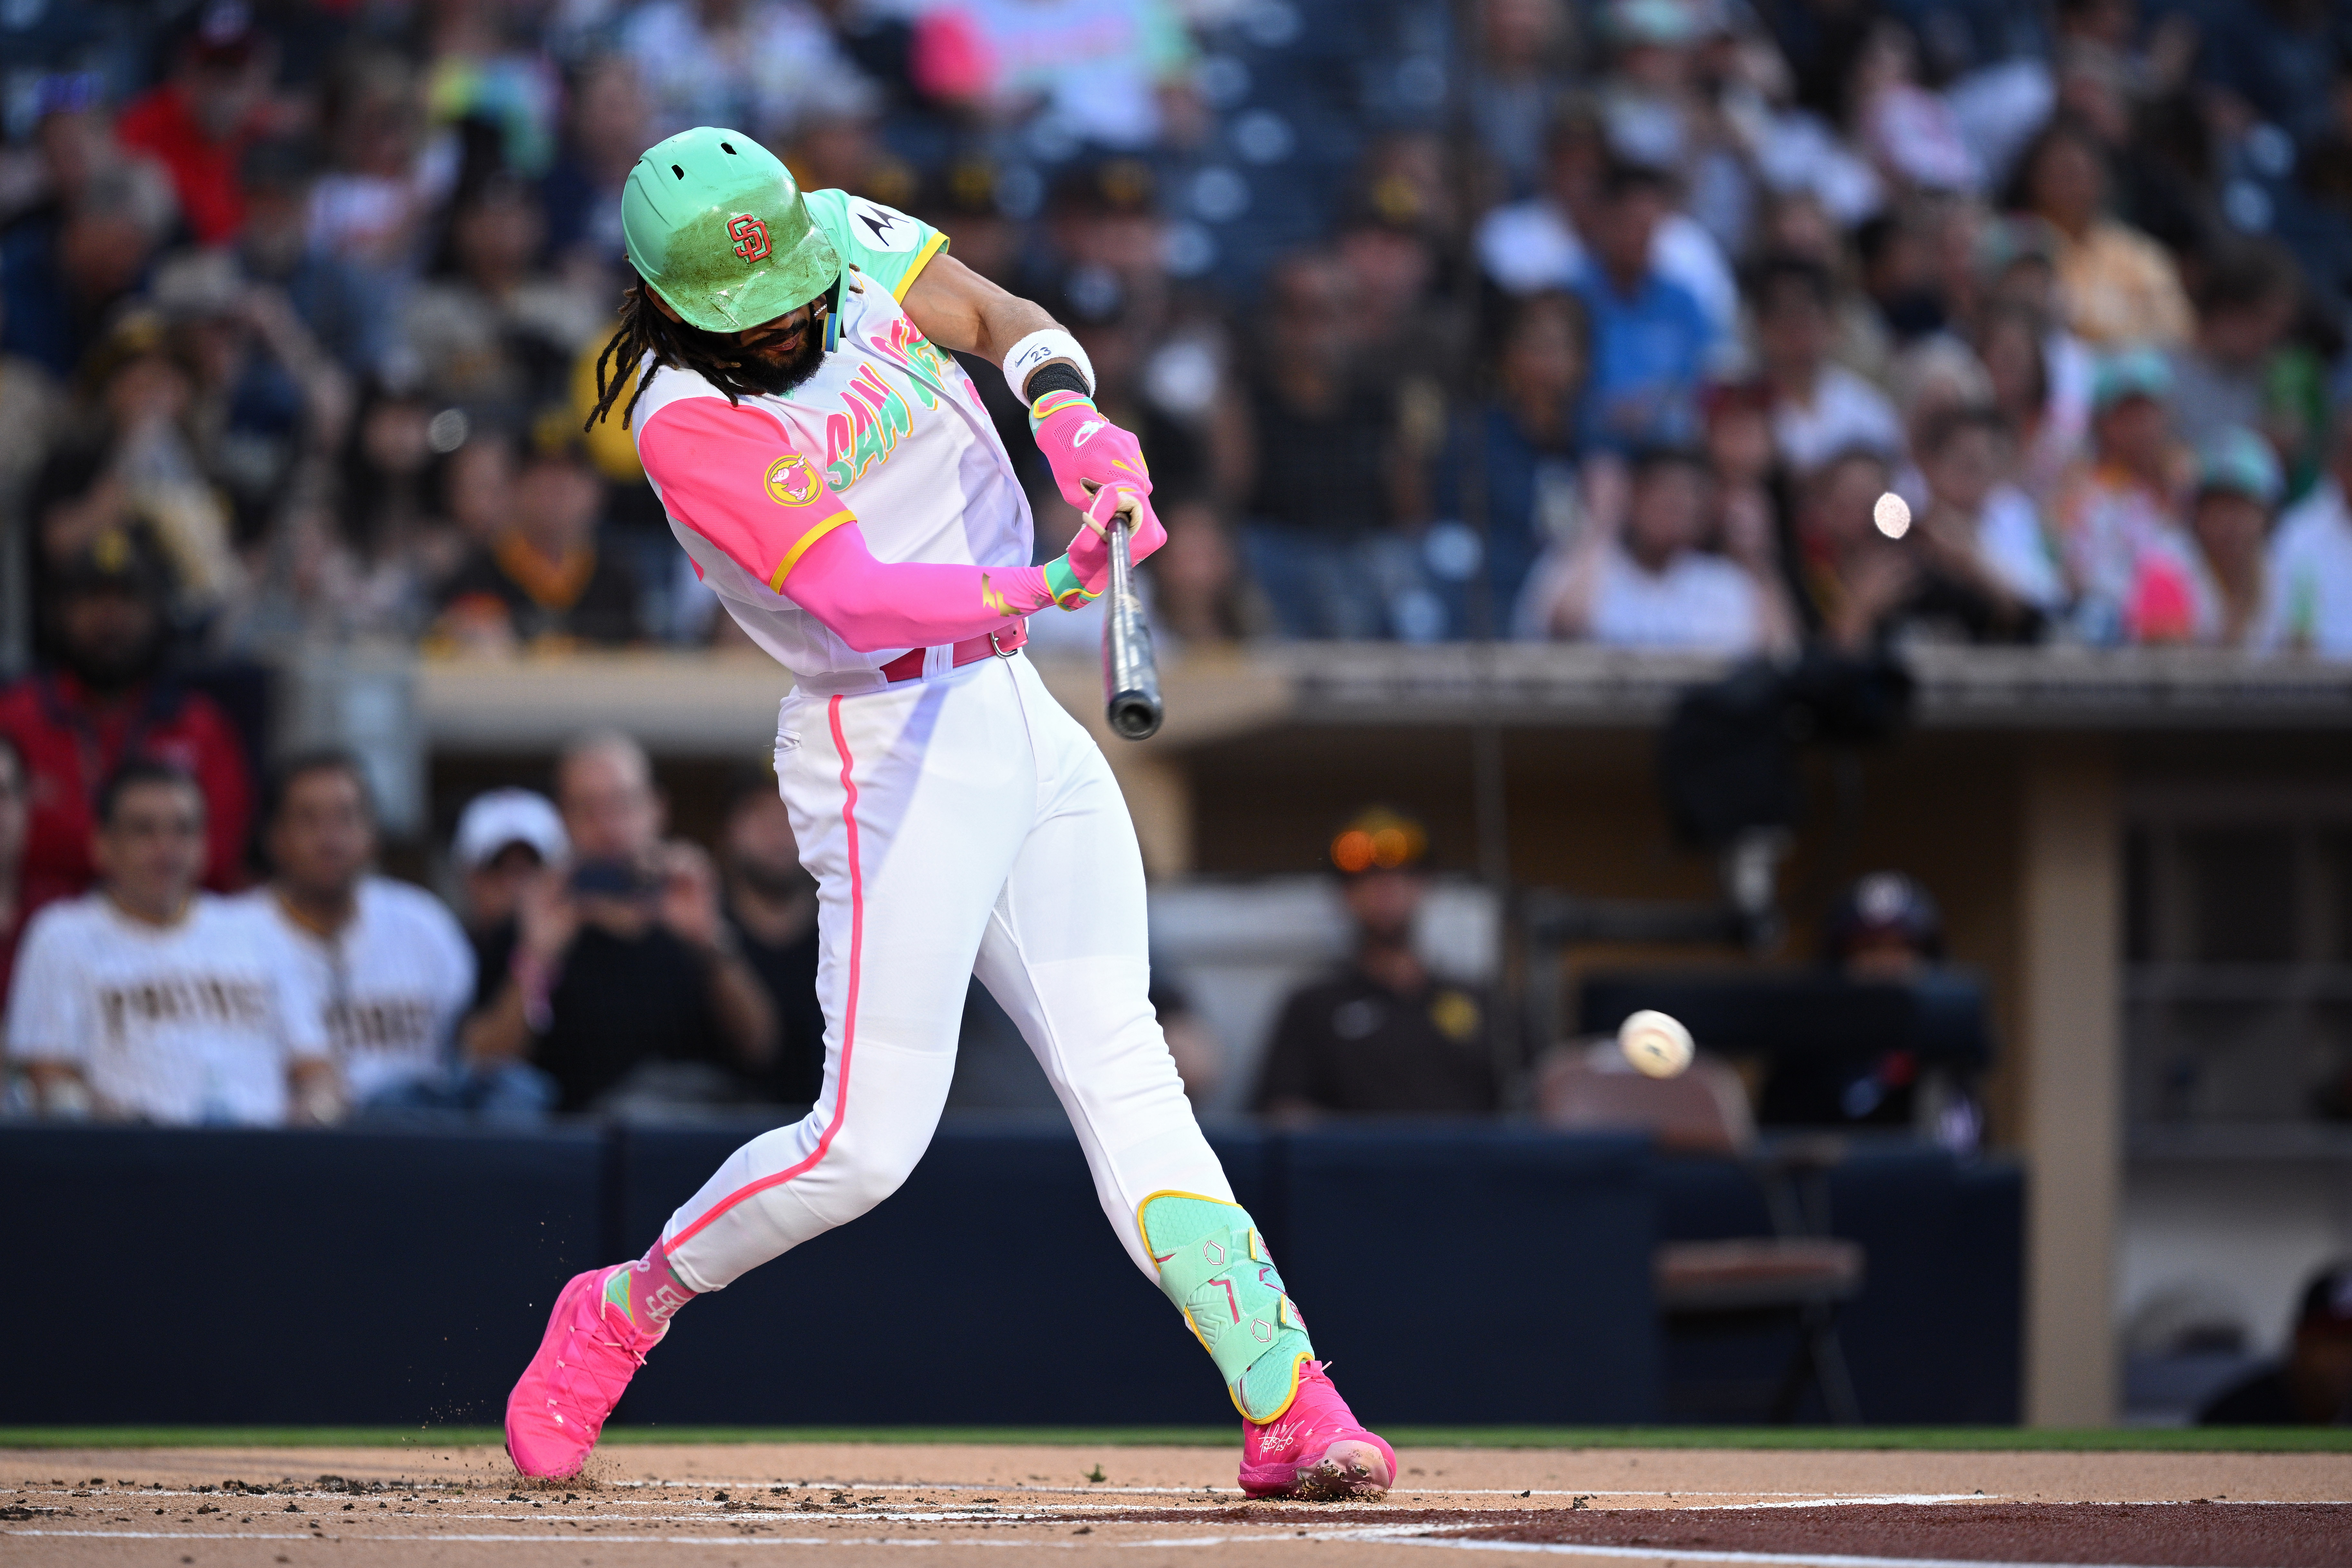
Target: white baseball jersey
[[189, 1023], [390, 986], [889, 433]]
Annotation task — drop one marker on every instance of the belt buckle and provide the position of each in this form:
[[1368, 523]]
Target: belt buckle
[[1000, 652]]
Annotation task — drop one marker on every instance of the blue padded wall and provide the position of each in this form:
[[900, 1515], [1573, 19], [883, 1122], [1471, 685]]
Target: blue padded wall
[[345, 1279], [1472, 1273]]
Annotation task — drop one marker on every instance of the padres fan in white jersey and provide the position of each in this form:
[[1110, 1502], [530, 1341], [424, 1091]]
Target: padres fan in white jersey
[[389, 967], [147, 1000], [838, 484]]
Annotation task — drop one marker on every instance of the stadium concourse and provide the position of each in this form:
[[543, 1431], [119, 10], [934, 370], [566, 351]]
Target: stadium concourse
[[2111, 1501]]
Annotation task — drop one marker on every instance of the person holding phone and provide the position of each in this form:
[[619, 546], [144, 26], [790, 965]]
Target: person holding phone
[[623, 982]]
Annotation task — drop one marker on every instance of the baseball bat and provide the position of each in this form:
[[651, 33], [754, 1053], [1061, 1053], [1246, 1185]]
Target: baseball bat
[[1130, 671]]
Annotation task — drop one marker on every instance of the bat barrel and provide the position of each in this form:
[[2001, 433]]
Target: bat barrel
[[1130, 671]]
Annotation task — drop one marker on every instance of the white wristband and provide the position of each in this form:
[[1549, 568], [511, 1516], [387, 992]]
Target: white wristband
[[1037, 348]]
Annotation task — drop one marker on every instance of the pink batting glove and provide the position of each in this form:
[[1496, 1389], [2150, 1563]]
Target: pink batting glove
[[1087, 451], [1090, 551]]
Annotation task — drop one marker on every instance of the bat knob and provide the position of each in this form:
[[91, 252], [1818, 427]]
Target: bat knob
[[1135, 715]]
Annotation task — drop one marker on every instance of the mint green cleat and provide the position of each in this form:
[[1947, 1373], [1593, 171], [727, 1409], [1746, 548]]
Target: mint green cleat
[[1214, 1265]]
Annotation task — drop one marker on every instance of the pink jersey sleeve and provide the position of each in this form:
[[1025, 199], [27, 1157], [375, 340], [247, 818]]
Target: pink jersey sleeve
[[873, 605], [730, 474]]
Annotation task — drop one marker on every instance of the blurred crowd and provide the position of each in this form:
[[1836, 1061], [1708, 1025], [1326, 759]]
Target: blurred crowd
[[1716, 324], [193, 967], [1723, 325], [585, 962], [579, 958]]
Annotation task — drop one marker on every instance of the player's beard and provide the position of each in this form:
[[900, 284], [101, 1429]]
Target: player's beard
[[775, 377]]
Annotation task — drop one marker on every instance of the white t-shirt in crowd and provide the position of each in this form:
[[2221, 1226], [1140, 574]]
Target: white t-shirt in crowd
[[389, 987], [1530, 244], [1701, 602], [1796, 151], [189, 1023], [1846, 411], [2012, 541], [1097, 64], [778, 66], [2309, 604]]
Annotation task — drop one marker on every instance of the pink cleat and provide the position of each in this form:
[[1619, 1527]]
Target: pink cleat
[[591, 1350], [1315, 1450]]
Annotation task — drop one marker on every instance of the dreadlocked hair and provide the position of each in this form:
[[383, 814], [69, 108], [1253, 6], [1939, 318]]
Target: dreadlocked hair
[[645, 331]]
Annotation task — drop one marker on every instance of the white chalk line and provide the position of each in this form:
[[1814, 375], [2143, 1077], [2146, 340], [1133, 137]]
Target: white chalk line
[[726, 1513], [764, 1491], [729, 1541], [1408, 1535], [1080, 1509], [1678, 1554], [1219, 1491], [1078, 1491], [765, 1513], [586, 1540], [1838, 1501]]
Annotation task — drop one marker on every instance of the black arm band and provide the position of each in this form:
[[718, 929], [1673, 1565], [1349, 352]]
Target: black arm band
[[1059, 376]]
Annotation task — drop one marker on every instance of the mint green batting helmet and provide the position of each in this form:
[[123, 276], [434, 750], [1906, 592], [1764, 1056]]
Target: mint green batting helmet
[[715, 224]]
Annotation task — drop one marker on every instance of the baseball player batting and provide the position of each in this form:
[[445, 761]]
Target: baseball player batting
[[832, 473]]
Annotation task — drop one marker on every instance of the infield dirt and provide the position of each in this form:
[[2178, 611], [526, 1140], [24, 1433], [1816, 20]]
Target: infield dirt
[[750, 1505]]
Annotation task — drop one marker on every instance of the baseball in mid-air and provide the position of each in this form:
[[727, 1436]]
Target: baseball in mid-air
[[1893, 515], [1655, 1043]]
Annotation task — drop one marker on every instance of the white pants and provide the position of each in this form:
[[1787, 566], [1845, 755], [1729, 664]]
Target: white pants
[[957, 825]]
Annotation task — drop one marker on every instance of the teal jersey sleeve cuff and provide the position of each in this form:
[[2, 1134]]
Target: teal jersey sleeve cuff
[[1053, 402], [1063, 582]]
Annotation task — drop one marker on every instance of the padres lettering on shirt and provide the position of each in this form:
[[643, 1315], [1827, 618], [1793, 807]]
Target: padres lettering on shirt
[[189, 1023], [182, 999], [889, 433], [389, 986]]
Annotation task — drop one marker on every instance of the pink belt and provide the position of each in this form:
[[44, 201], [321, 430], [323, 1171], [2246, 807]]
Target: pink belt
[[909, 666]]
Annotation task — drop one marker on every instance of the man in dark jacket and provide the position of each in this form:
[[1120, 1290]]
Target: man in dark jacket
[[1382, 1034], [623, 981], [2313, 1386]]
